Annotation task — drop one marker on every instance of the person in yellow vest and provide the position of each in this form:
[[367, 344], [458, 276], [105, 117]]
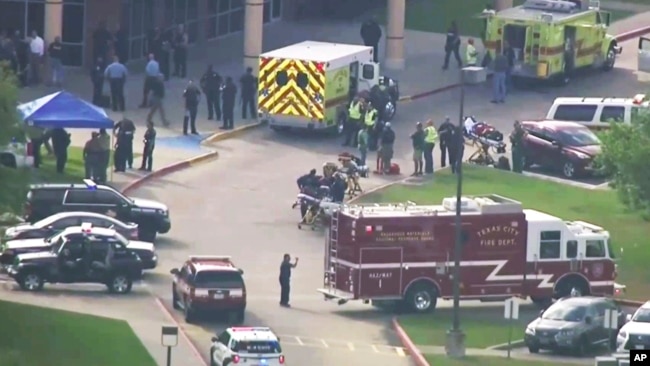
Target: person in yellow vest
[[430, 138], [471, 56], [353, 122], [370, 120]]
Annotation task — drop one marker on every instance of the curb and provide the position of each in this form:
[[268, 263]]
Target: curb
[[416, 355], [220, 136], [632, 34], [504, 346]]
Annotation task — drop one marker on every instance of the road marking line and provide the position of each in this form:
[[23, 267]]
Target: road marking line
[[374, 348], [299, 341], [351, 346], [400, 351], [325, 343]]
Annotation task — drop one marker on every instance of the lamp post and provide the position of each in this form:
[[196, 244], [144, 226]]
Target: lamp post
[[169, 339]]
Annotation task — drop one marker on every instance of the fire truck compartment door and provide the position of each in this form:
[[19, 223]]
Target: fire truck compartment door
[[380, 273], [644, 54]]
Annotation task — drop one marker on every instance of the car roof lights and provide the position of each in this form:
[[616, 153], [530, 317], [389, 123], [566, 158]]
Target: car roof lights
[[90, 184]]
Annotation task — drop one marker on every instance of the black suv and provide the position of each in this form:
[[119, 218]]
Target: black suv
[[79, 258], [575, 323], [44, 200]]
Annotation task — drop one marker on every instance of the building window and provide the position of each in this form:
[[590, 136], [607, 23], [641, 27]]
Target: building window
[[227, 16], [237, 21], [276, 10], [72, 35]]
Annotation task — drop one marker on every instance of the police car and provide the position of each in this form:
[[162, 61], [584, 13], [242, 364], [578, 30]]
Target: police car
[[253, 346], [635, 334]]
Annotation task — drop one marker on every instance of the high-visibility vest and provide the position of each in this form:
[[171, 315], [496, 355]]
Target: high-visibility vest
[[471, 56], [431, 135], [370, 117], [354, 112]]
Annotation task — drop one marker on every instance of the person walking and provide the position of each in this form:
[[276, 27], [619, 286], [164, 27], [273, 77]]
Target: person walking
[[229, 96], [157, 95], [248, 83], [124, 131], [90, 156], [446, 138], [471, 55], [103, 156], [430, 138], [517, 147], [192, 95], [55, 52], [180, 43], [116, 74], [211, 85], [151, 72], [60, 143], [500, 69], [285, 279], [362, 140], [37, 50], [386, 151], [353, 123], [417, 139], [452, 45], [149, 144], [97, 78], [371, 34]]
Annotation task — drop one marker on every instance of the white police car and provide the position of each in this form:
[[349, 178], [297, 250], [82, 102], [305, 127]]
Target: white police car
[[252, 346], [635, 334], [17, 155]]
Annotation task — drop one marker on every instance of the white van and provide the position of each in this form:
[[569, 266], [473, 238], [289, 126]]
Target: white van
[[597, 112]]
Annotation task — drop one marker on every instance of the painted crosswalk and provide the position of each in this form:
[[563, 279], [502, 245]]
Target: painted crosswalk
[[351, 346]]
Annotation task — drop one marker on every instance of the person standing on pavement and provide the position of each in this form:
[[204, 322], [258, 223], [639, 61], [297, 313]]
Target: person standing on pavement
[[116, 74], [471, 55], [55, 52], [37, 49], [417, 138], [157, 95], [517, 147], [229, 96], [149, 144], [371, 35], [103, 155], [124, 131], [211, 85], [180, 42], [121, 43], [97, 78], [446, 137], [430, 138], [452, 45], [151, 72], [248, 83], [509, 53], [456, 149], [60, 143], [192, 95], [101, 41], [386, 151], [370, 123], [90, 155], [362, 140], [285, 279], [353, 123], [500, 69]]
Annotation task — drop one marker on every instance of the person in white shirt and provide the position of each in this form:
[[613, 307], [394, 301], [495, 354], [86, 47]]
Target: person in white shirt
[[37, 48]]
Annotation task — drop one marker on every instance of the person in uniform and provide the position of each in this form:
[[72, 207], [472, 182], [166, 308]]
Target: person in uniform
[[90, 156], [156, 100], [124, 131], [371, 34], [116, 74], [60, 143], [471, 55], [180, 42], [248, 83], [228, 98], [362, 140], [353, 123], [192, 95], [452, 45], [457, 149], [151, 71], [369, 121], [211, 85], [446, 138], [285, 279], [103, 156], [97, 78], [430, 138], [149, 144], [517, 148], [387, 144], [417, 139]]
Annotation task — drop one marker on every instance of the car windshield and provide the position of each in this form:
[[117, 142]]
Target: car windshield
[[566, 313], [642, 316], [219, 279], [579, 136], [257, 347]]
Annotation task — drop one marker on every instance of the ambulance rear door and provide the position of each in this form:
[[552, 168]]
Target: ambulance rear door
[[368, 75], [272, 78], [644, 54]]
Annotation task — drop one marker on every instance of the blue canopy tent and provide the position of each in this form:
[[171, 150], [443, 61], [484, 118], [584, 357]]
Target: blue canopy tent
[[64, 110]]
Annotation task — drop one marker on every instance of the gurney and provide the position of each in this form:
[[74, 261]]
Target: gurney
[[485, 138], [318, 210]]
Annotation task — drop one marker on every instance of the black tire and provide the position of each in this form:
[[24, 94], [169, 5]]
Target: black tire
[[421, 298], [569, 170], [610, 58], [533, 349], [582, 348], [566, 285], [175, 298], [341, 120], [239, 316], [188, 313], [31, 281], [390, 110], [147, 233], [120, 283], [212, 363]]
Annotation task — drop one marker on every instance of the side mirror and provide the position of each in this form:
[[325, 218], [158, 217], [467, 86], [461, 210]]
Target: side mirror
[[241, 271], [214, 339], [628, 317], [541, 312], [588, 320], [556, 144], [174, 271]]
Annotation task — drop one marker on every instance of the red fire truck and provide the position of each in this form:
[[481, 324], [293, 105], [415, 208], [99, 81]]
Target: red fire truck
[[405, 253]]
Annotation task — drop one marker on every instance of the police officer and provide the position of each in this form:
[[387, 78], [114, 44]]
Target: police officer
[[387, 144], [90, 155], [97, 78], [371, 34], [211, 85], [124, 130], [180, 51], [430, 138], [228, 98], [152, 70], [103, 155], [116, 74], [192, 95], [248, 87], [370, 120], [285, 279], [452, 45], [60, 143], [339, 186], [446, 137], [353, 123], [517, 142], [471, 56], [149, 144]]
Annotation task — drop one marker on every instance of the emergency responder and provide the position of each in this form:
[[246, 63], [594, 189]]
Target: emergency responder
[[456, 149], [90, 155], [362, 140], [370, 119], [228, 98], [386, 152], [149, 144], [430, 138], [446, 138], [192, 95], [248, 83], [499, 78], [308, 181], [452, 45], [285, 279], [338, 188], [371, 34], [471, 55], [353, 123], [156, 100], [116, 74], [124, 131], [179, 43], [152, 70], [103, 156], [379, 98], [417, 139], [97, 78], [60, 143], [517, 141], [211, 86]]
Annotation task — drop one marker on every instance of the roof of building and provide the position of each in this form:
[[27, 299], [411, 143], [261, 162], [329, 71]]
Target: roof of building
[[319, 51]]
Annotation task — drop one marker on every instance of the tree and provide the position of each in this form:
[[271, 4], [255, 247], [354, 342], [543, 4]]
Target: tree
[[625, 156]]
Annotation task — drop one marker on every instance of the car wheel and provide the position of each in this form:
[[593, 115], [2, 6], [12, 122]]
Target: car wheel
[[525, 162], [188, 313], [568, 170], [120, 284], [421, 298], [390, 110], [240, 315], [174, 298], [533, 349], [147, 234], [610, 59], [340, 124], [31, 282], [582, 348]]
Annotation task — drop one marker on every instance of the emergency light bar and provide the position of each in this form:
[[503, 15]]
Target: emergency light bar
[[90, 184], [194, 258], [86, 227], [638, 99], [251, 329]]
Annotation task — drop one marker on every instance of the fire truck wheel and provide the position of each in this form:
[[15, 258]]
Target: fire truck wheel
[[567, 284], [421, 298]]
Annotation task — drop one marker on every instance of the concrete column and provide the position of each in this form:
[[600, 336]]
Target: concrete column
[[253, 33], [53, 21], [502, 4], [395, 34]]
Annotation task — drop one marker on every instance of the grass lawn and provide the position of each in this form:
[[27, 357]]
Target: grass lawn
[[485, 361], [629, 232], [435, 15], [39, 336]]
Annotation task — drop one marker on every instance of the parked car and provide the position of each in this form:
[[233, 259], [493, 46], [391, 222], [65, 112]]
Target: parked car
[[574, 324], [635, 334], [17, 155], [58, 222], [565, 146]]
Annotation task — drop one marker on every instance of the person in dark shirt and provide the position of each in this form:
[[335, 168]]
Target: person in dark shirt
[[121, 43], [22, 56], [417, 139], [371, 34], [339, 186], [248, 83], [211, 85], [452, 45], [228, 97], [60, 143], [180, 42], [192, 94], [157, 95], [97, 78], [446, 137], [124, 130], [149, 144], [308, 181], [457, 149], [55, 51], [387, 142], [101, 41], [285, 279]]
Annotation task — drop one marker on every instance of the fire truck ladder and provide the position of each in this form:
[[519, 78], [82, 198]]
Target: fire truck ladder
[[332, 251]]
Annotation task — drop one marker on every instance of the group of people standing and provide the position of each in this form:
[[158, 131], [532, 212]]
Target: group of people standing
[[26, 57], [424, 139]]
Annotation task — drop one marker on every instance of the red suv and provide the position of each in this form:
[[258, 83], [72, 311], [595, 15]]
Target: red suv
[[566, 146], [209, 284]]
